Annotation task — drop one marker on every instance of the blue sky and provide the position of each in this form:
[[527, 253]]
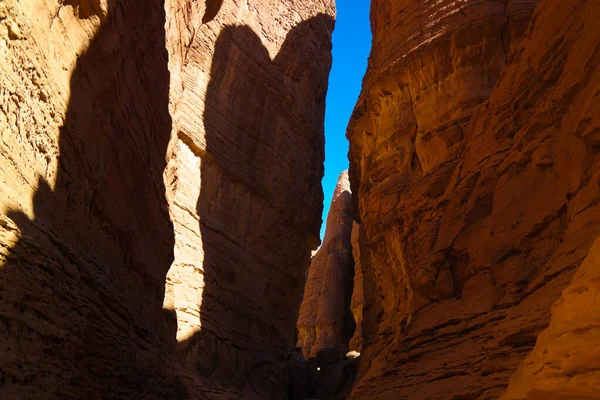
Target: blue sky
[[351, 47]]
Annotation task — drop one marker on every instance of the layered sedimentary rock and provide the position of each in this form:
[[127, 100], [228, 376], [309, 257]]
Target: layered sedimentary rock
[[325, 320], [474, 164], [117, 118]]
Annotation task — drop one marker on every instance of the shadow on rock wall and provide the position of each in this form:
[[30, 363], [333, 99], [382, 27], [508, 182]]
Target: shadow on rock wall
[[262, 116], [82, 287]]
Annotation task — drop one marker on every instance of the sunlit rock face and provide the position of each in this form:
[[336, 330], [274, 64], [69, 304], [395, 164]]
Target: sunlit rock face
[[325, 320], [160, 194], [475, 171]]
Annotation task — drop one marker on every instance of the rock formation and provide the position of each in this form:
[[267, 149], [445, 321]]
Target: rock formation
[[325, 321], [160, 198], [565, 362], [244, 174], [85, 237], [475, 165], [117, 118]]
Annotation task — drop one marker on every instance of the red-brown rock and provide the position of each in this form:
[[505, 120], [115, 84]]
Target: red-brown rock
[[474, 212], [565, 363]]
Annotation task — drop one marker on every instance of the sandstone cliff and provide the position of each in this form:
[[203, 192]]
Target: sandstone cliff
[[474, 165], [325, 321], [244, 171], [117, 118]]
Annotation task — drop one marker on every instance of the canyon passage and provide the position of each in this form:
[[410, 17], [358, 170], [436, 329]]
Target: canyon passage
[[160, 202]]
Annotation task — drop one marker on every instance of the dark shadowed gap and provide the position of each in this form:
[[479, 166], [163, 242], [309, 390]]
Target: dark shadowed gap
[[212, 9]]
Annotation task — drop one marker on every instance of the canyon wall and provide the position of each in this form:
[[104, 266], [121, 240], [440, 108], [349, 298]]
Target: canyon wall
[[565, 363], [325, 321], [245, 164], [474, 166], [117, 118]]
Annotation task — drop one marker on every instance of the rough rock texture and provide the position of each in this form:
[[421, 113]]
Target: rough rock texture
[[325, 321], [245, 164], [565, 363], [117, 118], [85, 235], [356, 304], [474, 214]]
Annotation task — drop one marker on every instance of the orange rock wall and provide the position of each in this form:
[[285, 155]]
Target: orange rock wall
[[474, 168], [160, 167], [565, 363]]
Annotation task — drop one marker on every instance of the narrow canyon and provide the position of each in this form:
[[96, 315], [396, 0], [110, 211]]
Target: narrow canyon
[[160, 202]]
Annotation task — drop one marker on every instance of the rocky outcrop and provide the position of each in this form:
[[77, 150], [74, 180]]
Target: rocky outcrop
[[325, 321], [117, 118], [475, 169]]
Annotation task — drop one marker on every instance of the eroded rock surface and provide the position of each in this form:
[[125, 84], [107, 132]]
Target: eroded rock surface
[[325, 320], [244, 174], [475, 169], [117, 118], [565, 363], [85, 237]]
